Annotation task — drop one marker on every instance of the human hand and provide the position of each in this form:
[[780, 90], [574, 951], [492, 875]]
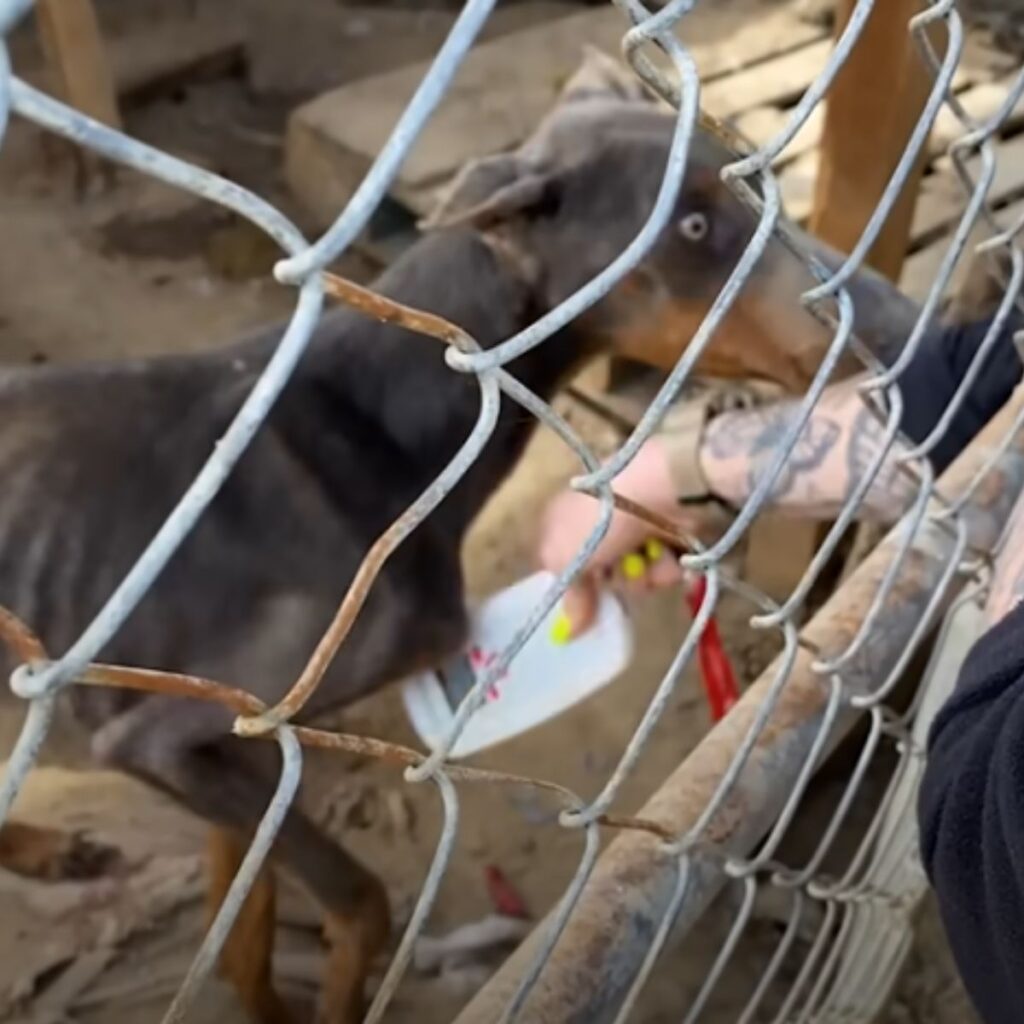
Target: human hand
[[571, 517]]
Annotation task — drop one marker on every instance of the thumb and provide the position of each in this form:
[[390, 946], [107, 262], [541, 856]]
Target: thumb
[[579, 609]]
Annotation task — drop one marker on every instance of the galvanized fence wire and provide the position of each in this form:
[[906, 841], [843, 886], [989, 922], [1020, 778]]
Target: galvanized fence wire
[[859, 921]]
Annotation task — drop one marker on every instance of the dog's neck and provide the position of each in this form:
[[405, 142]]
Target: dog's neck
[[515, 261], [391, 390]]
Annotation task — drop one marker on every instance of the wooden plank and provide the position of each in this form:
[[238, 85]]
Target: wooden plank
[[799, 182], [981, 101], [175, 52], [722, 48], [595, 378], [73, 46], [160, 56], [761, 124], [798, 166], [920, 269], [797, 178], [781, 80], [340, 43], [943, 197], [872, 108], [778, 81], [502, 90]]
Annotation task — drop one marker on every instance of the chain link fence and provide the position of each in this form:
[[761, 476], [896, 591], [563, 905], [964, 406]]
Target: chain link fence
[[720, 817]]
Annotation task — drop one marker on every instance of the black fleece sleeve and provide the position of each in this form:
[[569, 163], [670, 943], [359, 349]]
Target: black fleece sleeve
[[930, 381], [971, 815], [971, 804]]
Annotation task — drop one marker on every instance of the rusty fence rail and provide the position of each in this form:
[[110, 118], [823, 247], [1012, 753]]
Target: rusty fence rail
[[719, 818]]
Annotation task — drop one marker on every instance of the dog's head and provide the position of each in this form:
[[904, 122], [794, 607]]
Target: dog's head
[[574, 196]]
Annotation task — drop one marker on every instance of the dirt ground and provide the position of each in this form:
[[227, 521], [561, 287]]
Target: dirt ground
[[137, 269]]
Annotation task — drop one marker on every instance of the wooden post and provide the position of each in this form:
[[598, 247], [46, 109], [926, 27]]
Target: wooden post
[[872, 108], [80, 74], [71, 39]]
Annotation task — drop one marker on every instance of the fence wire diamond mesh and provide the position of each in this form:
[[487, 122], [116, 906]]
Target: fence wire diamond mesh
[[722, 814]]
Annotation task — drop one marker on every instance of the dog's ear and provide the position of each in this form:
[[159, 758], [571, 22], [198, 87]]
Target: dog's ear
[[601, 76], [486, 191], [496, 187]]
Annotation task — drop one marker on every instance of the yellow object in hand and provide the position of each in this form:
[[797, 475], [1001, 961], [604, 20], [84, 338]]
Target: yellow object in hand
[[561, 630], [634, 567], [654, 549]]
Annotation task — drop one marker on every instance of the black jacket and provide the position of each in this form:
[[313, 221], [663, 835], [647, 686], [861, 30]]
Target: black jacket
[[971, 805]]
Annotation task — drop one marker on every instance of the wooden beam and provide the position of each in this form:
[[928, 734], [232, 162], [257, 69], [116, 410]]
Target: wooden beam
[[872, 108], [71, 39]]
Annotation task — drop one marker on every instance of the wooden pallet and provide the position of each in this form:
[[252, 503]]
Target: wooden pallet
[[942, 204], [506, 85], [981, 85]]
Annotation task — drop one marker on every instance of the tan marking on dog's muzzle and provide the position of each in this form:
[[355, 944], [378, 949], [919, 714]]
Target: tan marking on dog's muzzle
[[766, 335]]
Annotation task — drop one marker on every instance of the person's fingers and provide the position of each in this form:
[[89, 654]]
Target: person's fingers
[[651, 568], [633, 573], [665, 572], [570, 517], [633, 566], [569, 521], [579, 609]]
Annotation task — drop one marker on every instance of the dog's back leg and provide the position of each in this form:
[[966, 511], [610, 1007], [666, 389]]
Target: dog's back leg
[[185, 748], [246, 960]]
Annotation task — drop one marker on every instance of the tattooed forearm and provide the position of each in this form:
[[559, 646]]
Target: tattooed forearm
[[758, 436], [742, 448], [1008, 581], [835, 449], [893, 488]]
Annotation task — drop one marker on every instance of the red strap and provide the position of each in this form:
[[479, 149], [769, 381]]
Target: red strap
[[715, 669], [504, 897]]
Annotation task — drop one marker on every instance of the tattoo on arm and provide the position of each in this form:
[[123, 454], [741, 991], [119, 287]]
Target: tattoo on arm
[[812, 446], [866, 436], [758, 436], [892, 489], [831, 455]]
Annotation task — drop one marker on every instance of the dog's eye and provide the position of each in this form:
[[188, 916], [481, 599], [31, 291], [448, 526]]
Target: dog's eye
[[694, 227]]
